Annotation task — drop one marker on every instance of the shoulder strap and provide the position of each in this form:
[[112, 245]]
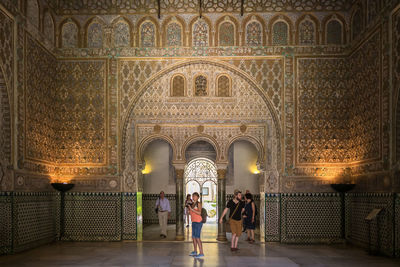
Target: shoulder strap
[[237, 206]]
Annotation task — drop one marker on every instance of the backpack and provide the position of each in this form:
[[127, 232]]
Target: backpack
[[204, 215]]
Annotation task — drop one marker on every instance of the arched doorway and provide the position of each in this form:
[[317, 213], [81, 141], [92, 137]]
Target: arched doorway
[[201, 176], [243, 174], [158, 175]]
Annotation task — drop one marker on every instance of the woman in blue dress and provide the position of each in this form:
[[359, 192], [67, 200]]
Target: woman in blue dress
[[250, 217]]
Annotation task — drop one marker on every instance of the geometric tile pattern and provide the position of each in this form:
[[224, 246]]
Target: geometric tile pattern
[[92, 216], [310, 217], [129, 219], [6, 223], [358, 206], [34, 219], [149, 204], [272, 217]]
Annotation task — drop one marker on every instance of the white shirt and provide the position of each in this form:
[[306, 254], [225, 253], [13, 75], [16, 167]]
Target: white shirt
[[164, 204]]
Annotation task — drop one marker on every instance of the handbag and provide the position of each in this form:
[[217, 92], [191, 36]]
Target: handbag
[[156, 209], [227, 224]]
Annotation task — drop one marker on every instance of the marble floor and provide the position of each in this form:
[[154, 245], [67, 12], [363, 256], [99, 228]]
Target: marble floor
[[175, 253], [209, 232]]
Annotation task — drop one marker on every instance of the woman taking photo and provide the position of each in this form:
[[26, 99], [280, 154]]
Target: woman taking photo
[[236, 208], [197, 224]]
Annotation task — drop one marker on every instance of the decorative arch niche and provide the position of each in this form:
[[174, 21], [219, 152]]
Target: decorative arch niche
[[148, 32], [226, 34], [334, 30], [307, 32], [200, 32], [280, 30], [121, 34], [33, 12], [174, 32], [69, 33], [94, 35], [254, 31], [48, 26]]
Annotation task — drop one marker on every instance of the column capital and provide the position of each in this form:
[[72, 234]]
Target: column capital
[[221, 173], [179, 173]]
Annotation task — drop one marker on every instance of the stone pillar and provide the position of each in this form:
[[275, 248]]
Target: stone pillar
[[221, 202], [179, 205]]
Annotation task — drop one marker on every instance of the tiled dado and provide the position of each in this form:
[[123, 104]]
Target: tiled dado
[[149, 203], [98, 216], [358, 206], [272, 217], [6, 242], [303, 217], [28, 220]]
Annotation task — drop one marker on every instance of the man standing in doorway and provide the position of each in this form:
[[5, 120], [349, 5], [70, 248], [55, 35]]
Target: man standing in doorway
[[164, 210]]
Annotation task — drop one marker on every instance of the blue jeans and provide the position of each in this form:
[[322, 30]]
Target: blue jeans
[[196, 229]]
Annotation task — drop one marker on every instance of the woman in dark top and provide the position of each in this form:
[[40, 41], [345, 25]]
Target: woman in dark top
[[249, 217], [236, 208]]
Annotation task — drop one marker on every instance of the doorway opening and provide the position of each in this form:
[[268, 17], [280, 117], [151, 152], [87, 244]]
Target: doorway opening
[[158, 175], [201, 177]]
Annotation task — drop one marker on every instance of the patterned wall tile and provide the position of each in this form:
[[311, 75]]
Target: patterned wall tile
[[34, 219], [129, 220], [149, 203], [310, 217], [6, 222], [358, 206], [272, 217], [92, 217]]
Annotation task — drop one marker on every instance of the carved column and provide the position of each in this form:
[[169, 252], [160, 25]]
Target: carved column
[[179, 205], [221, 202]]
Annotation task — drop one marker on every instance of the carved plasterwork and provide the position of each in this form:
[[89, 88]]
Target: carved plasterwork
[[248, 104], [40, 99], [192, 6], [5, 102]]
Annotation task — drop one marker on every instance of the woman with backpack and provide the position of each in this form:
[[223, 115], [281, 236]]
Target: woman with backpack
[[197, 223]]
